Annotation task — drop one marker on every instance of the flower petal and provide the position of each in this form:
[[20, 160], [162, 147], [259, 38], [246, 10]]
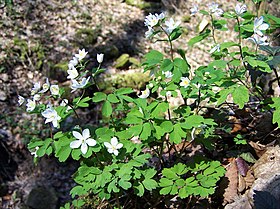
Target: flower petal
[[114, 141], [91, 142], [84, 148], [116, 152], [108, 145], [86, 133], [75, 144], [263, 26], [77, 135], [120, 145], [110, 150]]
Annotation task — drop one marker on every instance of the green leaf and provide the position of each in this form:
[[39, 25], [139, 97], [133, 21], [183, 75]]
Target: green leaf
[[63, 153], [260, 65], [124, 184], [167, 126], [240, 96], [139, 190], [166, 65], [177, 134], [199, 38], [123, 91], [167, 172], [99, 96], [112, 98], [150, 184], [165, 190], [159, 110], [146, 131], [107, 109], [164, 182]]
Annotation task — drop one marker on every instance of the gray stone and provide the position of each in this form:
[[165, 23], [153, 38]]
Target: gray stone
[[42, 198]]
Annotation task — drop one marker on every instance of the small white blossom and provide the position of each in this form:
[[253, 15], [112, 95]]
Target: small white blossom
[[100, 58], [35, 88], [171, 25], [81, 55], [79, 85], [31, 104], [168, 94], [54, 89], [194, 10], [73, 62], [215, 48], [214, 9], [145, 94], [83, 141], [259, 40], [51, 116], [152, 20], [240, 9], [197, 131], [168, 74], [151, 85], [259, 25], [72, 73], [185, 82], [21, 100], [45, 86], [113, 146], [149, 32], [64, 103], [36, 97], [35, 152]]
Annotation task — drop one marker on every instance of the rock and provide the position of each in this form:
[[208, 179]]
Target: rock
[[110, 52], [122, 61], [4, 77], [87, 36], [3, 96], [42, 198]]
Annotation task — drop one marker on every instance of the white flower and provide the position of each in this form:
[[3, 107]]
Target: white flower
[[145, 93], [64, 103], [31, 104], [152, 20], [185, 82], [168, 94], [81, 55], [240, 9], [168, 74], [36, 97], [213, 8], [215, 48], [100, 58], [72, 73], [259, 25], [194, 10], [197, 131], [113, 146], [171, 25], [35, 88], [45, 86], [51, 116], [21, 100], [83, 141], [54, 89], [35, 152], [149, 32], [73, 62], [151, 85], [79, 85], [259, 40]]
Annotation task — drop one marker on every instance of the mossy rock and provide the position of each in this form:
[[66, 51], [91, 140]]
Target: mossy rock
[[186, 18], [122, 62], [135, 62], [87, 36], [110, 52], [58, 71], [129, 78], [142, 4]]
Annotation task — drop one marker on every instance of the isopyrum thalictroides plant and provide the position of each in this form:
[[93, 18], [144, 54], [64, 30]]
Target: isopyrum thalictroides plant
[[135, 149]]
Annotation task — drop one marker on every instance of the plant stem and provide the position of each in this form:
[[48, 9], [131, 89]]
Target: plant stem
[[170, 42], [213, 29]]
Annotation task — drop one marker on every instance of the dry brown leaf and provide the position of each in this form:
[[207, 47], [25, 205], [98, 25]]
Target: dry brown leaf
[[241, 183], [232, 178], [260, 149]]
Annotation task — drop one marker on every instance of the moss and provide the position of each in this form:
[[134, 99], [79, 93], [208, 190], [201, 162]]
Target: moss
[[142, 4], [186, 18], [122, 61], [135, 62], [128, 78], [87, 36]]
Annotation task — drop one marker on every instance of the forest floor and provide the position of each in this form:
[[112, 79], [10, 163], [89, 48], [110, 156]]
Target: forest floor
[[38, 38]]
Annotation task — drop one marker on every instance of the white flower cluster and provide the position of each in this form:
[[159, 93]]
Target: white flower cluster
[[258, 37], [84, 141], [73, 73], [153, 20], [214, 9]]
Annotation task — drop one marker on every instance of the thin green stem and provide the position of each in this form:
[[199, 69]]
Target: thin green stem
[[170, 42], [213, 29]]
